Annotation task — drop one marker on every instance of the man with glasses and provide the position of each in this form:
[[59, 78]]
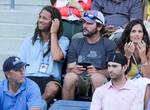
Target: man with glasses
[[16, 91], [119, 93], [87, 58]]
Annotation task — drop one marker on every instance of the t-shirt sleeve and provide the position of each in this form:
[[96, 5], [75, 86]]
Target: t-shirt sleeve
[[24, 49], [72, 52], [64, 45], [34, 97]]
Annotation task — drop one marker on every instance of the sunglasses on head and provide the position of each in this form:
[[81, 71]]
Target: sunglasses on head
[[92, 17]]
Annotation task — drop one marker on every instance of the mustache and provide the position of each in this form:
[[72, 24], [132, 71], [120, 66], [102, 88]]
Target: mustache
[[84, 29]]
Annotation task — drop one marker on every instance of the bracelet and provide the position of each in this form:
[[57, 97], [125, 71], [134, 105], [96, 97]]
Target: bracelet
[[53, 32]]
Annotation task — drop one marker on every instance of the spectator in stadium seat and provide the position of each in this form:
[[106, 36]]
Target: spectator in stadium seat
[[45, 52], [87, 58], [16, 91], [119, 93], [118, 12], [135, 46]]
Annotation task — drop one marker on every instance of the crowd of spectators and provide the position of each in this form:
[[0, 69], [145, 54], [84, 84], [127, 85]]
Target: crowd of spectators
[[94, 63]]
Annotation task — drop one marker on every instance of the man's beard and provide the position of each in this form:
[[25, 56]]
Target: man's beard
[[90, 33]]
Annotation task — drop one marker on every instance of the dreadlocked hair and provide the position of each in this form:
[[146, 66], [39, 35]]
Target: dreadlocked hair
[[54, 14]]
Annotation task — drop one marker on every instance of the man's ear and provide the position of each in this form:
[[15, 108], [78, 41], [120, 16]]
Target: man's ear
[[99, 27], [125, 67]]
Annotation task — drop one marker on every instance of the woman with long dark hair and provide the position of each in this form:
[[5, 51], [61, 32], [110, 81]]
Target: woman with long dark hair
[[135, 46]]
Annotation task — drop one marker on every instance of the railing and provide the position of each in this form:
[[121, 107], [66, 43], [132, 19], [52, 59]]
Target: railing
[[12, 4]]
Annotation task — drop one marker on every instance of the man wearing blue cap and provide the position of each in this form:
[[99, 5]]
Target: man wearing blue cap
[[119, 93], [16, 91], [87, 57]]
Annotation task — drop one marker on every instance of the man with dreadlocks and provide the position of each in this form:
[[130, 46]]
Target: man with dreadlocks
[[45, 52]]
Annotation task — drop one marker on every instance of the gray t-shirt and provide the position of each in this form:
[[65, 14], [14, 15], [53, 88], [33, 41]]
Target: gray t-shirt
[[80, 51]]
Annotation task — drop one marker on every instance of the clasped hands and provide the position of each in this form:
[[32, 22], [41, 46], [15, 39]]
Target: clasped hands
[[130, 47]]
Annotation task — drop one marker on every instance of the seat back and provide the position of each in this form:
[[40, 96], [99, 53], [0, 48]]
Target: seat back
[[70, 105]]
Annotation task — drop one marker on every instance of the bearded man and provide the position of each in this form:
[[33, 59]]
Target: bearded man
[[86, 62]]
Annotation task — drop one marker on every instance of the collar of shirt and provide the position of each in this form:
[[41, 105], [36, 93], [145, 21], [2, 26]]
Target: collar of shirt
[[38, 37], [6, 89], [128, 85]]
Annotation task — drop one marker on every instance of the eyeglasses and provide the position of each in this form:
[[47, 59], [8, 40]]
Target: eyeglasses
[[92, 17]]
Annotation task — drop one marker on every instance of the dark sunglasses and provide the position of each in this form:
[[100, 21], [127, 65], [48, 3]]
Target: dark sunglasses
[[92, 17]]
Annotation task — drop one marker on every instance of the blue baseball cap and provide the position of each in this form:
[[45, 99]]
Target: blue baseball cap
[[13, 63]]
